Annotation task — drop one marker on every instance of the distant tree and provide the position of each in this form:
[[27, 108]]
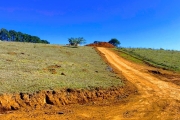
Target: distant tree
[[35, 39], [45, 42], [96, 42], [114, 42], [19, 37], [4, 34], [76, 41], [25, 37], [13, 35]]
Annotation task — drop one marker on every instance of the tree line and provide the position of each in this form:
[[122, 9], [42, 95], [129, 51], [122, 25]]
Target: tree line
[[13, 35]]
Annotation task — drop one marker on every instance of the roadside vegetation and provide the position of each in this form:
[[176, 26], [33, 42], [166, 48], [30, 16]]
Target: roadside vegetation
[[30, 67], [167, 59]]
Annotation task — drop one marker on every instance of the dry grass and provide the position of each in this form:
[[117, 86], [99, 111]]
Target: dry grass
[[167, 59], [28, 67]]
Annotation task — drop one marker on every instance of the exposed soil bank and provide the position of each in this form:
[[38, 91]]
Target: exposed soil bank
[[63, 97]]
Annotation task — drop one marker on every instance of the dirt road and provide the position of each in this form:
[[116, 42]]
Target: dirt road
[[157, 99], [147, 84]]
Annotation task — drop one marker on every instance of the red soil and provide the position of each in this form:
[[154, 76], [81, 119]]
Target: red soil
[[63, 97], [101, 44]]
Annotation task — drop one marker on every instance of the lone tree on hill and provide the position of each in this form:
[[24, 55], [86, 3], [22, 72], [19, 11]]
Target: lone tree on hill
[[76, 41], [114, 42]]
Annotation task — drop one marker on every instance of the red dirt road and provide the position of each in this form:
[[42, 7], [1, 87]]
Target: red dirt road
[[157, 99], [147, 84]]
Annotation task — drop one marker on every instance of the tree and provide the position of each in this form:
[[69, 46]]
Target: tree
[[25, 37], [4, 34], [114, 42], [13, 35], [96, 42], [45, 42], [19, 37], [35, 39], [76, 41]]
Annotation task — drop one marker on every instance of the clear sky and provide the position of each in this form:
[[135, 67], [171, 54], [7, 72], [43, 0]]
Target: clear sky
[[135, 23]]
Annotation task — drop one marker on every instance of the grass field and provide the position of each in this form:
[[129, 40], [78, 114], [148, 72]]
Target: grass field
[[28, 67], [168, 59]]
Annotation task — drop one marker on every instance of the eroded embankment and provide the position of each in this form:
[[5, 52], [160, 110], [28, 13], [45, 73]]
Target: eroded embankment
[[63, 97]]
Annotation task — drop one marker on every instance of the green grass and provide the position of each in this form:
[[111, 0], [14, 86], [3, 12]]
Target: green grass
[[28, 67], [168, 59], [128, 56]]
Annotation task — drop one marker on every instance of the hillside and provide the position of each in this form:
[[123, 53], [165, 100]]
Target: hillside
[[167, 59], [28, 67], [155, 97]]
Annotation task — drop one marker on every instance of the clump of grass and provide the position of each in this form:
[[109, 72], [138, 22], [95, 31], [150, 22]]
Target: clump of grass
[[167, 59], [25, 68]]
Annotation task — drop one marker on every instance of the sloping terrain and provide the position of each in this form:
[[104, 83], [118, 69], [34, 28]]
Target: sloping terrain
[[28, 68], [166, 59], [156, 98]]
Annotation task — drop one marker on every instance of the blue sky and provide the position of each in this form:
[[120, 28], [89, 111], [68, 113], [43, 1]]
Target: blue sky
[[135, 23]]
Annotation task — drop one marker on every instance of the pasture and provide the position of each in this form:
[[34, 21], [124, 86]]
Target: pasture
[[30, 67]]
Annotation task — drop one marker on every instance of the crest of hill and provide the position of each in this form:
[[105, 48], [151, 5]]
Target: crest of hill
[[101, 44]]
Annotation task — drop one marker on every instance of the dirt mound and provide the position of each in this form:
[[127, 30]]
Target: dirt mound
[[101, 44]]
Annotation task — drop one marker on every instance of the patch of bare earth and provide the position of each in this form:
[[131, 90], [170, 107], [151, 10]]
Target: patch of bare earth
[[58, 104], [101, 44]]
